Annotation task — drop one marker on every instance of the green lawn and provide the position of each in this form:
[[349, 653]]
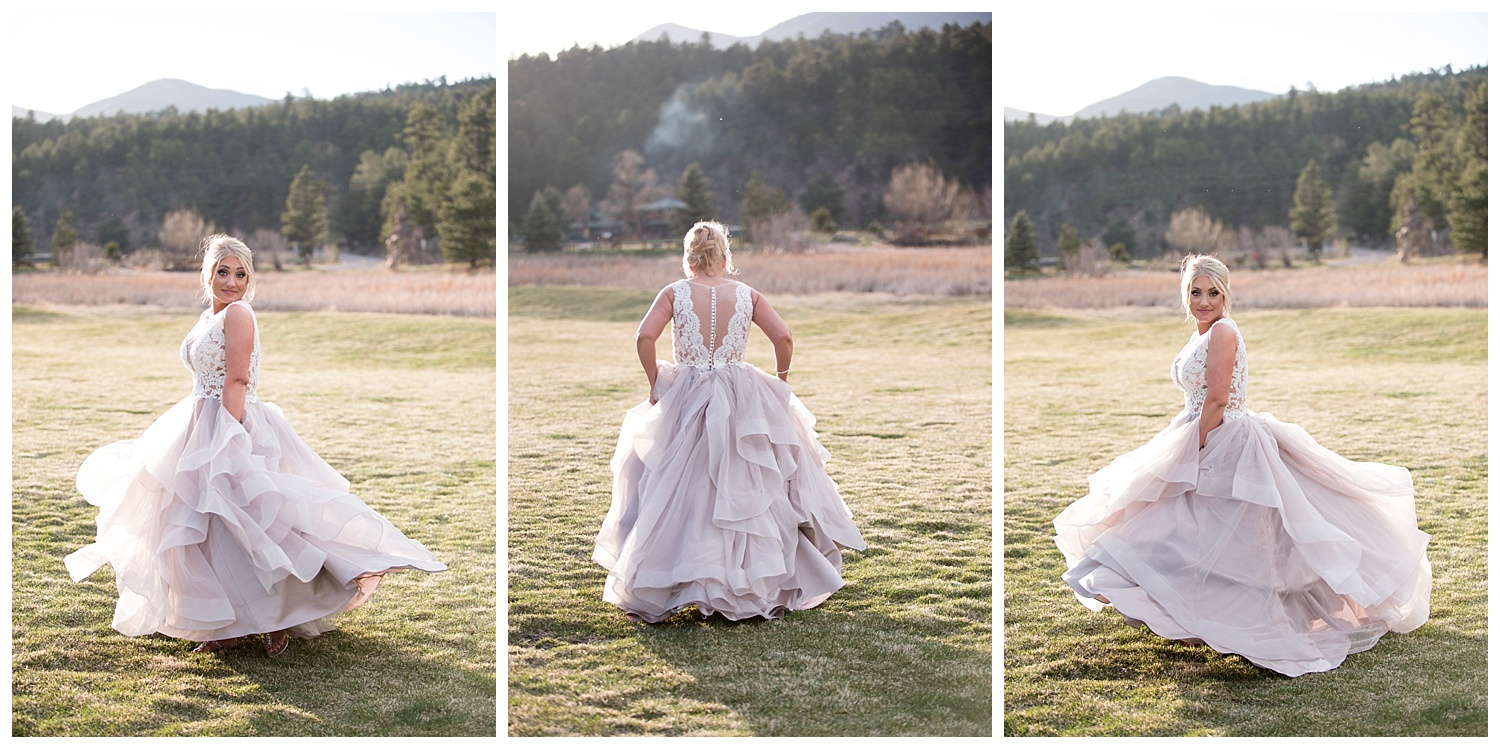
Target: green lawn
[[402, 405], [901, 390], [1406, 387]]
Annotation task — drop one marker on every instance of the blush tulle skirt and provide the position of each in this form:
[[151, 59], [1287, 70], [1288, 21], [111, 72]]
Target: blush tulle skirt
[[721, 501], [218, 529], [1264, 544]]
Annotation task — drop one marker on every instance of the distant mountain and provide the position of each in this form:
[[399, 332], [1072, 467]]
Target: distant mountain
[[1041, 119], [1164, 92], [169, 92], [812, 25], [1158, 94], [41, 116]]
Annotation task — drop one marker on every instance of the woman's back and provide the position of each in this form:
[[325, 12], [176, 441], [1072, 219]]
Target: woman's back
[[710, 323]]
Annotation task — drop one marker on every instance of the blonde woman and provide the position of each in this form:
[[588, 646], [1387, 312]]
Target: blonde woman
[[219, 521], [1237, 530], [720, 497]]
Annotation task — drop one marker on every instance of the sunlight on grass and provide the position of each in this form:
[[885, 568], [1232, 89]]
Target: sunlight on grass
[[1406, 387], [403, 406], [902, 396]]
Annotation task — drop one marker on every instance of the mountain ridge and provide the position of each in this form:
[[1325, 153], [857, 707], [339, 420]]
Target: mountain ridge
[[1154, 95], [812, 25]]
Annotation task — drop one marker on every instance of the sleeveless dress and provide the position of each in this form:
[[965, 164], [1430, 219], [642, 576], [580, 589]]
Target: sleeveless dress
[[720, 497], [218, 528], [1264, 543]]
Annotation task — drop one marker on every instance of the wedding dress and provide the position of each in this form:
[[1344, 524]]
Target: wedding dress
[[720, 497], [218, 528], [1263, 543]]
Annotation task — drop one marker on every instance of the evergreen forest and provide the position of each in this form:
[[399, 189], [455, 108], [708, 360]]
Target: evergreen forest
[[1409, 152], [418, 160], [822, 122]]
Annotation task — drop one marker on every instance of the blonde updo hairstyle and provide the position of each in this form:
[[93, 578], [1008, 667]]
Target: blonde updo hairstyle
[[215, 249], [1204, 265], [705, 247]]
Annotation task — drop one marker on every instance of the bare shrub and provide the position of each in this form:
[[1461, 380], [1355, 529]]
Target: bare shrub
[[149, 259], [926, 200], [82, 257], [946, 271], [181, 236], [788, 231], [268, 245], [634, 187], [1092, 259], [1192, 231]]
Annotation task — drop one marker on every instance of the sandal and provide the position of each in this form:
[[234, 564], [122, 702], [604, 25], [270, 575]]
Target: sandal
[[214, 646], [277, 643]]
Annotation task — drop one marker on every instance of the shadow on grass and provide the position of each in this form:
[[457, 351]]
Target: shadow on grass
[[828, 671], [319, 687]]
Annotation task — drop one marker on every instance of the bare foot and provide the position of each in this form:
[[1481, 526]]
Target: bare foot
[[1101, 599]]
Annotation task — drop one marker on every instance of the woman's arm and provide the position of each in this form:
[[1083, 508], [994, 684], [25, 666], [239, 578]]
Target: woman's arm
[[776, 329], [650, 329], [239, 340], [1221, 346]]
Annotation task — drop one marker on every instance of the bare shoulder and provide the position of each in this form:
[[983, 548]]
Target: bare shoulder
[[239, 312]]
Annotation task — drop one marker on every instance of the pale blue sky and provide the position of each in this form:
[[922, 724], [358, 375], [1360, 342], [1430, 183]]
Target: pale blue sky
[[58, 62], [1059, 63]]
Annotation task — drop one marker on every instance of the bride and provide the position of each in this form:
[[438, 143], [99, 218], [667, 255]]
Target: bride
[[720, 498], [1234, 529], [219, 521]]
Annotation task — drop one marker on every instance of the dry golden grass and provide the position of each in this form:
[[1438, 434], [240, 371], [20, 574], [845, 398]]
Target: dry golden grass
[[941, 271], [405, 292], [1417, 285]]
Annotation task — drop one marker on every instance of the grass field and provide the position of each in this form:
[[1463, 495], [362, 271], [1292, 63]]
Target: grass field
[[1401, 386], [901, 389], [402, 405]]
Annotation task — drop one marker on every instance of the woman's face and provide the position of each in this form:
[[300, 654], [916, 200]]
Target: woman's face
[[229, 280], [1205, 300]]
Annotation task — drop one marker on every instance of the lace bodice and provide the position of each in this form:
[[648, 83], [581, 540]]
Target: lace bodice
[[717, 337], [1190, 372], [203, 353]]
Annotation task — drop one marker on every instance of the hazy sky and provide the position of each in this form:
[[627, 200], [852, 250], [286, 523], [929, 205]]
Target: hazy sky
[[1058, 64], [58, 62]]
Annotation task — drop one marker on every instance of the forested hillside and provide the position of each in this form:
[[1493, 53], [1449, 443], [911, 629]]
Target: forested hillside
[[840, 111], [1128, 174], [120, 176]]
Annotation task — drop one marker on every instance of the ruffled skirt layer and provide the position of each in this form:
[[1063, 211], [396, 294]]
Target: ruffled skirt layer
[[1264, 544], [721, 500], [219, 529]]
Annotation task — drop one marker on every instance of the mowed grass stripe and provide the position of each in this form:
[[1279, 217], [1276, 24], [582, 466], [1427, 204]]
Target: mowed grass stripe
[[412, 427], [1401, 386], [902, 395]]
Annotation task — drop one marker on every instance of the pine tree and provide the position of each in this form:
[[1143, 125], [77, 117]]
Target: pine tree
[[540, 229], [692, 190], [64, 236], [1068, 246], [1021, 251], [305, 222], [1313, 216], [467, 220], [20, 238], [761, 203]]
